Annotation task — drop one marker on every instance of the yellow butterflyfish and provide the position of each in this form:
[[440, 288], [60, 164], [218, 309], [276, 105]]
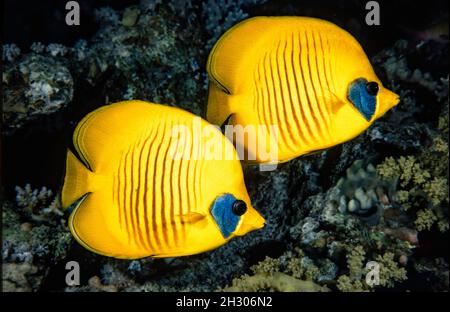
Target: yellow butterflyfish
[[149, 180], [296, 84]]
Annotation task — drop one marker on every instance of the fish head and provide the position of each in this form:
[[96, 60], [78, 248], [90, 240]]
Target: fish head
[[386, 99], [370, 98], [359, 98], [231, 207], [361, 85], [226, 195], [252, 220]]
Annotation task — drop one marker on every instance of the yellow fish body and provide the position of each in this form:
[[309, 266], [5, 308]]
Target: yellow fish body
[[307, 77], [151, 185]]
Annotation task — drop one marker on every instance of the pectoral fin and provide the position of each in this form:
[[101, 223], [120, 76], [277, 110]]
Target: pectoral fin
[[191, 217]]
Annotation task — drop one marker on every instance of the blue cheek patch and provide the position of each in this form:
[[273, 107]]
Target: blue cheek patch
[[364, 102], [223, 215]]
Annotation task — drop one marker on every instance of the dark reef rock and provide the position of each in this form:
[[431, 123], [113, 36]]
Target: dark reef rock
[[327, 214]]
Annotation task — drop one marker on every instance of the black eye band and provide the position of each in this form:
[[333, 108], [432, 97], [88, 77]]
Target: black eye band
[[239, 207], [372, 88]]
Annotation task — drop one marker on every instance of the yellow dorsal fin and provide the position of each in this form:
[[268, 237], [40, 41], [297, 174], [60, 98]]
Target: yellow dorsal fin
[[101, 137]]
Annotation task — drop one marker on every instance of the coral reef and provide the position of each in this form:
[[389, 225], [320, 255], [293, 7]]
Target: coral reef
[[33, 236], [355, 280], [362, 193], [276, 281], [36, 85], [221, 15], [423, 181]]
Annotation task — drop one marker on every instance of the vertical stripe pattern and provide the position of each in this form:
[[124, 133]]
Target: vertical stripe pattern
[[152, 191], [292, 85]]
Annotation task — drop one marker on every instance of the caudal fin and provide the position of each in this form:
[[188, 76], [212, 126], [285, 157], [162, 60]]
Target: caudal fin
[[76, 180], [218, 108]]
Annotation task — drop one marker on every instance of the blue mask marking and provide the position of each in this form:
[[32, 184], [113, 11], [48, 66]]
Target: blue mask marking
[[223, 214], [363, 101]]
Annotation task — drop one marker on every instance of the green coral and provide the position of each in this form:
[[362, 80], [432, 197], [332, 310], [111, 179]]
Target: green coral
[[276, 281], [346, 284], [268, 265], [295, 268], [425, 219], [355, 280], [436, 190], [390, 272], [355, 263], [405, 168], [292, 271]]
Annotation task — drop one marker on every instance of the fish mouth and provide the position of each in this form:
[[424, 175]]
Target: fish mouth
[[251, 221], [391, 98], [388, 100]]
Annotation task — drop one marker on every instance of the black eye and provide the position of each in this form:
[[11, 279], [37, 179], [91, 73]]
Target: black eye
[[239, 207], [372, 88]]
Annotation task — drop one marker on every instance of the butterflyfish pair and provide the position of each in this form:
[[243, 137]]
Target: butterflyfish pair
[[305, 82], [304, 78], [138, 188]]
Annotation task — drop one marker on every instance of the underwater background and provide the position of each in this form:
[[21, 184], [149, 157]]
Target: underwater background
[[380, 197]]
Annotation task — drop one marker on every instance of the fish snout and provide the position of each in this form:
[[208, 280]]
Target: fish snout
[[252, 220], [388, 100]]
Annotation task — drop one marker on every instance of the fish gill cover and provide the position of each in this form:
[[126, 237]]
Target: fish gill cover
[[381, 197]]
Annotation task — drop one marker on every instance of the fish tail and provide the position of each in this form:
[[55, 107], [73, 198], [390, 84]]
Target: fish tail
[[76, 181], [218, 108]]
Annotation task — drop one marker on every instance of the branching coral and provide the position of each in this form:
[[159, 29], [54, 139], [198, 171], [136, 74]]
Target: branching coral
[[423, 182], [355, 281], [38, 204], [355, 264], [29, 246], [425, 219], [390, 272], [292, 271], [268, 265]]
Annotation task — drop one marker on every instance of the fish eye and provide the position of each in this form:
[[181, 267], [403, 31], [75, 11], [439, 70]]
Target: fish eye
[[239, 207], [372, 88]]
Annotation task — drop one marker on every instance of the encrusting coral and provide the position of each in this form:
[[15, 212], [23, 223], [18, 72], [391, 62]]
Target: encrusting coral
[[34, 87], [362, 192], [34, 234], [267, 277], [276, 281], [355, 280]]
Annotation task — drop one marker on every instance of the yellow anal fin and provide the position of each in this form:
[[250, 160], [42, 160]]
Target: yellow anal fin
[[315, 152], [94, 225]]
